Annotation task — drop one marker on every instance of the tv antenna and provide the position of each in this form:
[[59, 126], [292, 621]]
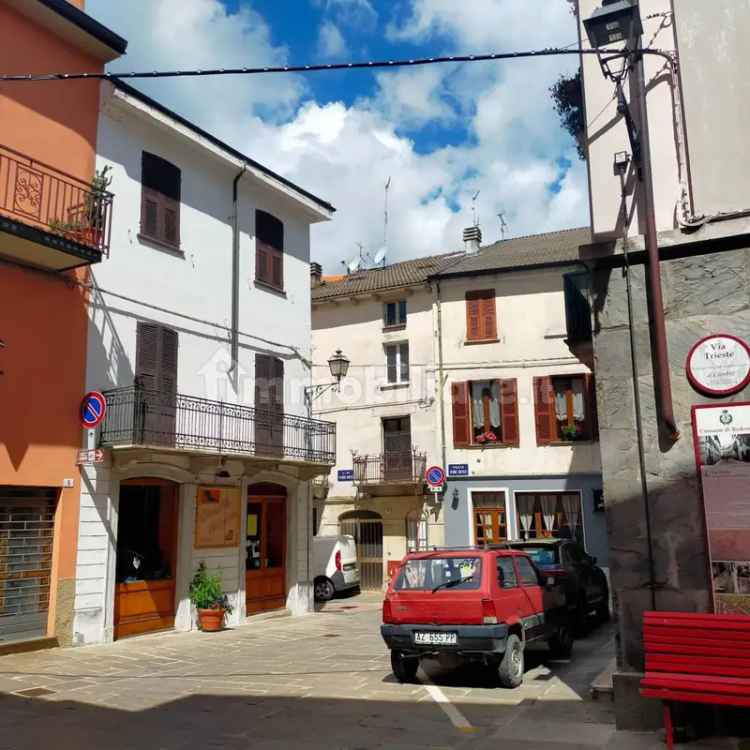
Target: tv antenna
[[503, 226], [474, 216]]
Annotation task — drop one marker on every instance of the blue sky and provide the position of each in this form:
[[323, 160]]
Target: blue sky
[[441, 133]]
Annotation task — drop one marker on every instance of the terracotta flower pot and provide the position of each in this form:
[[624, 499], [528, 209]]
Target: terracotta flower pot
[[211, 620]]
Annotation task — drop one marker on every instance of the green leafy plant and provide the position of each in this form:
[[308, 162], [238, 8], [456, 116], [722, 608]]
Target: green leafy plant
[[206, 591], [571, 432]]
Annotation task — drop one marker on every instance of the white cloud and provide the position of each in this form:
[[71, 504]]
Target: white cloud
[[509, 140], [359, 14], [331, 42]]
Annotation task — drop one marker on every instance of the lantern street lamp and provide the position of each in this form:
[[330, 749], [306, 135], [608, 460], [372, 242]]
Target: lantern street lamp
[[338, 363], [617, 21]]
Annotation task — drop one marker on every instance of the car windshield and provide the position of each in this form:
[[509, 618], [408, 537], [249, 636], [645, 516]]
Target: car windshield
[[541, 555], [448, 573]]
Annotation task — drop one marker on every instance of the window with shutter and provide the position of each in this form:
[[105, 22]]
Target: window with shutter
[[461, 425], [493, 413], [161, 188], [509, 397], [156, 376], [565, 407], [544, 411], [269, 405], [481, 316], [269, 250]]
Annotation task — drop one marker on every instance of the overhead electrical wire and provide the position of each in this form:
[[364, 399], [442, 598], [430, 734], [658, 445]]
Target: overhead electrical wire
[[319, 67]]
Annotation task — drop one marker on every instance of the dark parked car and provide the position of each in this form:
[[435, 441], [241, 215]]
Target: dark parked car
[[585, 584]]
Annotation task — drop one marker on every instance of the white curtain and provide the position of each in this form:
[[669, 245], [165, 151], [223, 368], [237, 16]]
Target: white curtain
[[477, 406], [549, 505], [572, 508], [561, 407], [579, 409], [495, 404], [525, 505]]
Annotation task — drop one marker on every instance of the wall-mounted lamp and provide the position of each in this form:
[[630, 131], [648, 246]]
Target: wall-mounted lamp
[[338, 363], [621, 163]]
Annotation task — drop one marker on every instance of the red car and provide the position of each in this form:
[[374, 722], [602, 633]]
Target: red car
[[482, 604]]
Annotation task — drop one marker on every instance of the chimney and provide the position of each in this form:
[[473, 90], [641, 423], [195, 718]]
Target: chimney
[[316, 273], [472, 240]]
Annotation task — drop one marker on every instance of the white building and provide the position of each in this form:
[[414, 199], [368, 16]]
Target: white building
[[199, 337], [463, 361]]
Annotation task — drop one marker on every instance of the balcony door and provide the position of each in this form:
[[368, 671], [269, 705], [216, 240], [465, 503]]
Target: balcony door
[[397, 453], [155, 400], [269, 405], [265, 576]]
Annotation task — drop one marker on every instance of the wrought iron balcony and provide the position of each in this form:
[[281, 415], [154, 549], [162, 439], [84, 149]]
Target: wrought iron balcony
[[57, 221], [398, 467], [137, 417]]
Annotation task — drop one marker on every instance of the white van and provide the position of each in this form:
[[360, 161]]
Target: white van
[[335, 566]]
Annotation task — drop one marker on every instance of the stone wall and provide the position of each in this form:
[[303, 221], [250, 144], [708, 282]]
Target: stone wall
[[703, 294]]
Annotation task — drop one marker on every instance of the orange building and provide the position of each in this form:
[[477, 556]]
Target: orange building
[[54, 223]]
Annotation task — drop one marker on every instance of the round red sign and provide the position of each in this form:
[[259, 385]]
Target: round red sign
[[719, 365]]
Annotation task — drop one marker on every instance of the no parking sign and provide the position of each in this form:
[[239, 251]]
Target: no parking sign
[[93, 409], [435, 478]]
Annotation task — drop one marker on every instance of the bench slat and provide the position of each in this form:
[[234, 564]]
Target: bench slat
[[698, 683], [722, 668], [718, 651], [709, 621], [688, 697], [658, 634]]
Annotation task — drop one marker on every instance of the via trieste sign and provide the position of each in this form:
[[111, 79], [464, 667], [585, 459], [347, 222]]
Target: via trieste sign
[[719, 365]]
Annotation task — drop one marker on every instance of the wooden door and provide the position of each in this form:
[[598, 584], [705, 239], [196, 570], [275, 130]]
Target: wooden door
[[156, 381], [146, 557], [397, 451], [269, 405], [265, 576]]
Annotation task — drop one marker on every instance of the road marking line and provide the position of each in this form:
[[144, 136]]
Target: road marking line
[[458, 720]]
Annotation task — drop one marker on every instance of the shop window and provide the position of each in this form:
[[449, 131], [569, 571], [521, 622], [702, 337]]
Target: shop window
[[394, 314], [269, 250], [481, 316], [161, 187], [397, 363], [550, 515], [485, 413], [565, 409]]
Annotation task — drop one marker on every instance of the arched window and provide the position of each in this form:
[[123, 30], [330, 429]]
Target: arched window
[[416, 532]]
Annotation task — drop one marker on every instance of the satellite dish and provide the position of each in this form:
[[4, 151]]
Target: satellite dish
[[354, 264], [380, 256]]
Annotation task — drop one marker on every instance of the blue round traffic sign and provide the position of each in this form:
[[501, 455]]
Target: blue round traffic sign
[[435, 476], [93, 409]]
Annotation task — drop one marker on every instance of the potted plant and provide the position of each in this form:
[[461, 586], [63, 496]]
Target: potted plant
[[209, 599], [571, 432]]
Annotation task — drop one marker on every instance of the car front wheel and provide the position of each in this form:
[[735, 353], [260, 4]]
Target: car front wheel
[[324, 590], [404, 667], [511, 667]]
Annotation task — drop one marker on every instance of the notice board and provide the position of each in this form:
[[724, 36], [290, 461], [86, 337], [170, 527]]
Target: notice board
[[217, 517], [722, 442]]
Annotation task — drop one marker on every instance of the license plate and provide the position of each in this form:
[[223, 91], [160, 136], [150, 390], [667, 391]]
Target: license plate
[[436, 639]]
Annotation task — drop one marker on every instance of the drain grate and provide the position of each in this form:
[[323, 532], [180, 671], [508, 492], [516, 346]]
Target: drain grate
[[37, 692]]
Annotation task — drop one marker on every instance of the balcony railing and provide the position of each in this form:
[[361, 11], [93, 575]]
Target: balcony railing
[[390, 466], [139, 417], [46, 198]]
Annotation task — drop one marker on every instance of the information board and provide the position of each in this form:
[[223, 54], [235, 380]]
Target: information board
[[217, 517]]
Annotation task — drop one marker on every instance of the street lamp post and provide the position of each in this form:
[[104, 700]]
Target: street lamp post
[[338, 364], [619, 21]]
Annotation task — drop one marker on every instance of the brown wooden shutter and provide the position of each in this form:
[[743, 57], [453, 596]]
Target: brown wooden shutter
[[262, 262], [473, 319], [170, 220], [168, 362], [262, 377], [147, 356], [461, 422], [488, 316], [277, 392], [509, 396], [150, 212], [544, 410], [592, 412], [277, 269]]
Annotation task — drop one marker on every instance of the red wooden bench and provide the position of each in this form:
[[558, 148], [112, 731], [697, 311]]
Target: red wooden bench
[[696, 658]]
